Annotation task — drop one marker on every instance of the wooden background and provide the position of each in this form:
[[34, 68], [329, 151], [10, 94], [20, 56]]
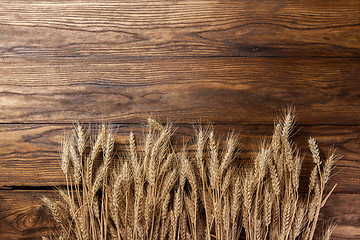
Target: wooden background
[[231, 63]]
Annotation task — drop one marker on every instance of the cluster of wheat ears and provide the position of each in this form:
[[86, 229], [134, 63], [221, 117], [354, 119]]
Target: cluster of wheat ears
[[159, 191]]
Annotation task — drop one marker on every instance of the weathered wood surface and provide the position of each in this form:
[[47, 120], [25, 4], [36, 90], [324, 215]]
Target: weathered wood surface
[[217, 90], [30, 152], [22, 215], [91, 28], [231, 63]]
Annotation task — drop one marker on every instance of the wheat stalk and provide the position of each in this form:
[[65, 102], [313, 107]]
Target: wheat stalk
[[165, 192]]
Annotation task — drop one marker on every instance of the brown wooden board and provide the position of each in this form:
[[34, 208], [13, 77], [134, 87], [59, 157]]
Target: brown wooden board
[[30, 152], [216, 90], [23, 216], [231, 63], [179, 28]]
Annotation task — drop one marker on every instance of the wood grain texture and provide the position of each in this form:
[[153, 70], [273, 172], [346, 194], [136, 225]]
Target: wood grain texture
[[23, 216], [231, 63], [112, 29], [30, 151], [217, 90]]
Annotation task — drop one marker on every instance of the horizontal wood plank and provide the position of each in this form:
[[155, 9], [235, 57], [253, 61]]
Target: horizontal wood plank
[[23, 216], [217, 90], [30, 152], [113, 29], [231, 63]]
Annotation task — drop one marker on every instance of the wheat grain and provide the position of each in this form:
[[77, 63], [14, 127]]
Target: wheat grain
[[235, 206], [286, 217], [81, 138], [183, 228], [247, 192], [327, 167], [226, 219], [275, 182], [133, 153], [65, 158], [77, 165], [95, 150], [297, 168], [299, 220], [148, 211], [314, 203], [166, 192], [313, 178], [227, 181], [229, 152], [267, 207], [55, 211], [190, 175], [214, 162], [314, 150], [109, 147]]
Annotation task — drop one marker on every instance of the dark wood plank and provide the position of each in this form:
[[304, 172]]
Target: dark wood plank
[[217, 90], [22, 215], [109, 29], [343, 209], [29, 152]]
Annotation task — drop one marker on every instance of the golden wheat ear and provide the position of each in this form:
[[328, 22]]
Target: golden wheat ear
[[158, 190]]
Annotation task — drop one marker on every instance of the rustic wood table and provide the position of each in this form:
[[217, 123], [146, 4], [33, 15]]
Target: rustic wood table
[[231, 63]]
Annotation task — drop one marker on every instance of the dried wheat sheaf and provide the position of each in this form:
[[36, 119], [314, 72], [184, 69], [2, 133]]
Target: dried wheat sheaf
[[159, 191]]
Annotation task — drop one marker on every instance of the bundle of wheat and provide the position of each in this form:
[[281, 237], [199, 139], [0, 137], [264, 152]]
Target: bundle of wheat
[[163, 192]]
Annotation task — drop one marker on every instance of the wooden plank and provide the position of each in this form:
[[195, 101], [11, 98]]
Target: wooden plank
[[343, 209], [22, 215], [29, 152], [217, 90], [113, 29]]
